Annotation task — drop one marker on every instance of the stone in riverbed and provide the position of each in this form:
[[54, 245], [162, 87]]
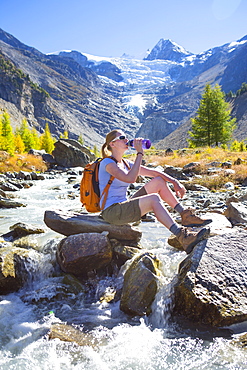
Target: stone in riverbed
[[212, 281], [15, 266], [68, 333], [21, 229], [140, 285], [8, 203], [70, 223], [82, 253]]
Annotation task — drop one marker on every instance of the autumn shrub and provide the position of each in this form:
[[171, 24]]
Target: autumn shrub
[[22, 162]]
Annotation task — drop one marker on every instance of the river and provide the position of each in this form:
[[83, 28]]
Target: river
[[122, 343]]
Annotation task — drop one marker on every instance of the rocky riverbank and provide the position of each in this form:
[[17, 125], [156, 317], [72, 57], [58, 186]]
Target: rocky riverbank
[[92, 249]]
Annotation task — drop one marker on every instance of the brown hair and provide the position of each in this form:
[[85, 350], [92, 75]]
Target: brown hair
[[106, 150]]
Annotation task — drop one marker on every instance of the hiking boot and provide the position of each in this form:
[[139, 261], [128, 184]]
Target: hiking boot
[[189, 219], [189, 239]]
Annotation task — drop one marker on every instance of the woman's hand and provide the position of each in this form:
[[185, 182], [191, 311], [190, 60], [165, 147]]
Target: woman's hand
[[138, 145], [179, 189]]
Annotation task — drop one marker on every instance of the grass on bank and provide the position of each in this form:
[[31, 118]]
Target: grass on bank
[[204, 156]]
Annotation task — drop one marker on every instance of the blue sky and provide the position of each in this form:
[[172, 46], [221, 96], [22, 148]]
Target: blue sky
[[112, 27]]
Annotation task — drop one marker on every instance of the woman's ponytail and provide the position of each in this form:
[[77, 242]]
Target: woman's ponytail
[[106, 150]]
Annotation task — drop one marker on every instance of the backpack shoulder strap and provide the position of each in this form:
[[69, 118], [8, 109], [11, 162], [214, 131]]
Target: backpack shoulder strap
[[126, 164], [124, 161], [105, 191]]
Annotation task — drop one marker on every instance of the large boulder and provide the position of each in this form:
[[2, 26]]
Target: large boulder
[[70, 223], [211, 287], [69, 153], [140, 285], [82, 253]]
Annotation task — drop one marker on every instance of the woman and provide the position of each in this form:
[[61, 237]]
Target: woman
[[119, 210]]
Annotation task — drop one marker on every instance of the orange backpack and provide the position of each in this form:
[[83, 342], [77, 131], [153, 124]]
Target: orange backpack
[[89, 189]]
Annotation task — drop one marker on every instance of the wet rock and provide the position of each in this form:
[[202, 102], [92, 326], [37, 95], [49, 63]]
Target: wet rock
[[212, 285], [23, 175], [21, 229], [123, 253], [8, 203], [140, 285], [15, 267], [8, 186], [68, 333], [236, 213], [82, 253], [3, 194], [69, 223], [206, 203]]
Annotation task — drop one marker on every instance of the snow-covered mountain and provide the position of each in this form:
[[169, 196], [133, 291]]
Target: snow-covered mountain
[[166, 65], [168, 50]]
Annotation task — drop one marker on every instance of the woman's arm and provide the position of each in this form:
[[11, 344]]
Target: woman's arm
[[131, 176]]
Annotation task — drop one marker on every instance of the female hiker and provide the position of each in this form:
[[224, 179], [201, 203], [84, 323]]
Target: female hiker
[[119, 210]]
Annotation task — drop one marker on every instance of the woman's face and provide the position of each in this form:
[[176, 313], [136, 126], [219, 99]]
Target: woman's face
[[120, 140]]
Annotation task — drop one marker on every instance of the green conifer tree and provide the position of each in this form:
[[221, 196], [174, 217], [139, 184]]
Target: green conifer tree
[[26, 135], [19, 145], [213, 124], [35, 139], [80, 139], [46, 140], [96, 151], [7, 137], [65, 135]]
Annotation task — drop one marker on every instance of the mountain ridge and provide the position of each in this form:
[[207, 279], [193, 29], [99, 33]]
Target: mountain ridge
[[78, 101], [150, 97]]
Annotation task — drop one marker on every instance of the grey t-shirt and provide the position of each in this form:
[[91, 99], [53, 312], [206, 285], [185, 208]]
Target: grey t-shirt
[[118, 190]]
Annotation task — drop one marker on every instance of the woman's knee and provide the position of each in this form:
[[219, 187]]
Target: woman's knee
[[155, 185], [150, 199], [154, 198]]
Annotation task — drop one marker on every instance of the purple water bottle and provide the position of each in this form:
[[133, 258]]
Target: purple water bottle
[[146, 144]]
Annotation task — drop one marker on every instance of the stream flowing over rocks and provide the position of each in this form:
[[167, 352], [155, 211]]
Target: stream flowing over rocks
[[69, 277]]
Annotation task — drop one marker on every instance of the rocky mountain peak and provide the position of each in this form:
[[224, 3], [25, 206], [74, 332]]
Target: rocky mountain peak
[[168, 50]]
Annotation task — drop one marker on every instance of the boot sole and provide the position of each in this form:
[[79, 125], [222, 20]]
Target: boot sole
[[206, 222], [203, 234]]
